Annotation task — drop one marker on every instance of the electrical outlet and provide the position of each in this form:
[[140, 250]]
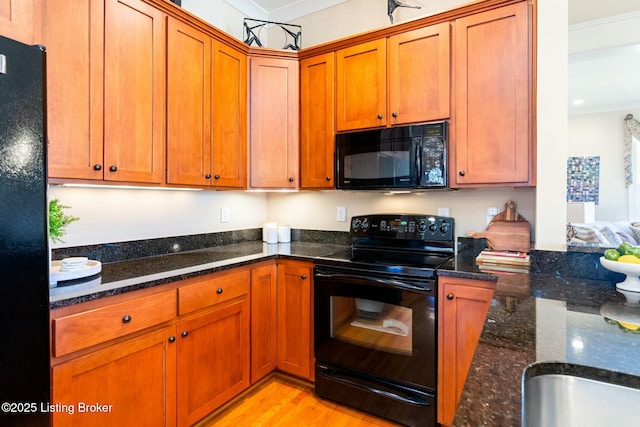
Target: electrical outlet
[[443, 211], [224, 214], [341, 214], [491, 212]]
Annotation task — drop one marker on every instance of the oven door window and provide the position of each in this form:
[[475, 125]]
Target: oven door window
[[372, 324]]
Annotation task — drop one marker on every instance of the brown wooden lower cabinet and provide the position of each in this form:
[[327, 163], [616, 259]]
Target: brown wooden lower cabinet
[[213, 359], [263, 321], [295, 318], [171, 356], [131, 383], [463, 308]]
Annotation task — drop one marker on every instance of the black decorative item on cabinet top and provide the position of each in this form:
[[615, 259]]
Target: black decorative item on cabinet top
[[393, 4], [292, 33]]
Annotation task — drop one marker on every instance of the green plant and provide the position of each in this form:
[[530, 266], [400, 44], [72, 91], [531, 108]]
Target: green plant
[[58, 220]]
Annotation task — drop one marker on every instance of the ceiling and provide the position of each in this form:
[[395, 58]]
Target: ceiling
[[604, 64], [604, 55]]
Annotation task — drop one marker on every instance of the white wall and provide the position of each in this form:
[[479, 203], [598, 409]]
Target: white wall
[[116, 215], [317, 210], [602, 135], [551, 116], [219, 14], [358, 16]]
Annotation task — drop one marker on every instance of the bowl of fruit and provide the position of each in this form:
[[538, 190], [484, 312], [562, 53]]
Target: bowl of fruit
[[625, 259]]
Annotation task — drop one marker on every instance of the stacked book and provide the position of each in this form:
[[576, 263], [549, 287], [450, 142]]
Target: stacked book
[[503, 261]]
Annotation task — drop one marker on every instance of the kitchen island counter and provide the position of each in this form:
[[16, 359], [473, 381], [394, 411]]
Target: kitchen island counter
[[542, 317]]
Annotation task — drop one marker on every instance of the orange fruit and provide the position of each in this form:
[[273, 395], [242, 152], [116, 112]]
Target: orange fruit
[[630, 259]]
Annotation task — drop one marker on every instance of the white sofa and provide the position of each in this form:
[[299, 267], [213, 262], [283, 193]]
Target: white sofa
[[609, 234]]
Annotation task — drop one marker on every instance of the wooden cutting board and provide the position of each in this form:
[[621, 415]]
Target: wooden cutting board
[[507, 231]]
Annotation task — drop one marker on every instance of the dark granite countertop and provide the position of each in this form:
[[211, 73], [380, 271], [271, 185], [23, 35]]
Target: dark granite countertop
[[543, 318], [126, 276]]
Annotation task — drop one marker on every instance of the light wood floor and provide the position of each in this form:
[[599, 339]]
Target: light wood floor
[[280, 401]]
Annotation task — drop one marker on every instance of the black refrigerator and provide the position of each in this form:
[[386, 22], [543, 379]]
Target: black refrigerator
[[24, 261]]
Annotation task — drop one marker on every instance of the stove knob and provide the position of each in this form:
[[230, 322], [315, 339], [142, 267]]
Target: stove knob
[[433, 227], [444, 228], [365, 224], [422, 227], [355, 224]]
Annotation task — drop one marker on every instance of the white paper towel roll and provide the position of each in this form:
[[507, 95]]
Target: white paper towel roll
[[284, 234]]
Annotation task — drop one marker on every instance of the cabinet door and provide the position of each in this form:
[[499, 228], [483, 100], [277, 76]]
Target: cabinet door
[[419, 79], [188, 105], [493, 142], [295, 337], [463, 310], [133, 382], [74, 37], [317, 121], [21, 20], [229, 122], [263, 321], [213, 360], [134, 102], [361, 86], [274, 123]]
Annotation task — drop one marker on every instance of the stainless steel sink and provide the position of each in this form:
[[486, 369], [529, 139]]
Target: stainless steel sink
[[563, 394]]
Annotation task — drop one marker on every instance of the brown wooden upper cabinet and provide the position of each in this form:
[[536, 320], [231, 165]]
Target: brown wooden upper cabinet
[[206, 108], [317, 130], [74, 37], [134, 86], [106, 117], [21, 20], [361, 85], [274, 113], [394, 81], [492, 135], [419, 78]]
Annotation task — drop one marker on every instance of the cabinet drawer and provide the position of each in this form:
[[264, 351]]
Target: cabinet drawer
[[82, 330], [212, 291]]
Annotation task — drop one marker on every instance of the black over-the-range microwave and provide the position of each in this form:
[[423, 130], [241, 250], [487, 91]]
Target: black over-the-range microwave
[[408, 157]]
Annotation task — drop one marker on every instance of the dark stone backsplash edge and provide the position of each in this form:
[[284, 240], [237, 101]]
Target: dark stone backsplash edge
[[570, 264], [583, 265], [122, 251]]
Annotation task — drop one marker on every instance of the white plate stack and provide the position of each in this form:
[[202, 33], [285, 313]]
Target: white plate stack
[[74, 263], [72, 269]]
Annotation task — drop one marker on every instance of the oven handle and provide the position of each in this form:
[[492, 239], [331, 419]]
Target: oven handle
[[356, 278], [412, 400]]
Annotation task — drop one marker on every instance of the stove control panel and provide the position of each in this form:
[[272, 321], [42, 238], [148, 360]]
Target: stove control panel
[[403, 227]]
